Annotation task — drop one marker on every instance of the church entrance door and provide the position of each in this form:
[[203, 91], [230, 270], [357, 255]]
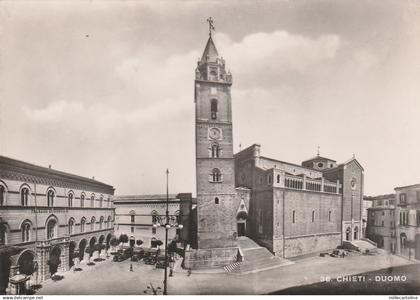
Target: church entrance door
[[241, 229]]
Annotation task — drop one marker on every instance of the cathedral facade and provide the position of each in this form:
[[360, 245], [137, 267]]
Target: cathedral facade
[[296, 209]]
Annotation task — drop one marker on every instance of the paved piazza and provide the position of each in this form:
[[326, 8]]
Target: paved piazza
[[110, 277]]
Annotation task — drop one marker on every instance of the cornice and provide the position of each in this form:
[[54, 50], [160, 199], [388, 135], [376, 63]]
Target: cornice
[[38, 177]]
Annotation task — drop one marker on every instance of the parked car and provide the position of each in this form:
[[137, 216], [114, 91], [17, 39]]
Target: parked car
[[149, 260], [160, 264], [119, 257], [139, 253], [123, 254]]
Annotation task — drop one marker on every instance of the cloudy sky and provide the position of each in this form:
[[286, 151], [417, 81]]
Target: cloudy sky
[[105, 89]]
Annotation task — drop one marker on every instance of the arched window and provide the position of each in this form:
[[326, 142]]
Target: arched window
[[213, 108], [82, 224], [313, 216], [2, 195], [51, 229], [215, 150], [101, 222], [101, 199], [70, 199], [216, 200], [108, 223], [356, 233], [26, 232], [71, 226], [92, 200], [82, 200], [92, 224], [216, 176], [329, 216], [177, 216], [50, 198], [278, 178], [294, 216], [155, 217], [3, 234], [348, 234], [132, 216], [24, 196]]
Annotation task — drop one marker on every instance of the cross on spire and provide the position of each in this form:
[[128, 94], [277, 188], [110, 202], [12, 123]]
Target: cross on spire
[[211, 26]]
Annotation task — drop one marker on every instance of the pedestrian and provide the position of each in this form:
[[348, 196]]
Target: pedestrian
[[343, 254], [131, 267], [189, 272]]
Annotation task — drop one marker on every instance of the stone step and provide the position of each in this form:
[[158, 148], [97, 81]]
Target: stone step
[[256, 266], [246, 243], [257, 253], [230, 268], [256, 258]]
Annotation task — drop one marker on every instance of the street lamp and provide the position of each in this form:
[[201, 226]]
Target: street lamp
[[167, 222]]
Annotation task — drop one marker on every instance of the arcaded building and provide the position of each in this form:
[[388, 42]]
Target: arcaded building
[[48, 218], [300, 209], [135, 216]]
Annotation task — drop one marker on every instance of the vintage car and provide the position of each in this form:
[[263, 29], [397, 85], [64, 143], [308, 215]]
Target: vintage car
[[138, 253], [149, 260], [123, 254]]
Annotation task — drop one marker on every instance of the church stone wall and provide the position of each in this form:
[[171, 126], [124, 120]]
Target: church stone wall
[[296, 246], [210, 258]]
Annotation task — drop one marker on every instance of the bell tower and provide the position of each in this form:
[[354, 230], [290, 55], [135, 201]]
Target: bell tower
[[216, 210]]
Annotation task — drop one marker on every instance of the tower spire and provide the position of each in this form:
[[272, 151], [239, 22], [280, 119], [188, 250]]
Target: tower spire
[[317, 152]]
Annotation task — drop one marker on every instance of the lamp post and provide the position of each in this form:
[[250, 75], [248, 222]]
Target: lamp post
[[167, 222]]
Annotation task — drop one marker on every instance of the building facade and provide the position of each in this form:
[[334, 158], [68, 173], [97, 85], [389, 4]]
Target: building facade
[[407, 216], [135, 216], [381, 226], [367, 203], [48, 219], [300, 209]]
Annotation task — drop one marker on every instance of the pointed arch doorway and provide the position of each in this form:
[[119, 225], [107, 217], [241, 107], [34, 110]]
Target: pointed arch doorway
[[241, 223]]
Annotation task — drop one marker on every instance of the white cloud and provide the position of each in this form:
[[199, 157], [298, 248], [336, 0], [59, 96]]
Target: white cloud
[[260, 58]]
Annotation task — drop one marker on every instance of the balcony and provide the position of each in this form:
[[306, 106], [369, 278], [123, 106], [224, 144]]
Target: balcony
[[308, 184]]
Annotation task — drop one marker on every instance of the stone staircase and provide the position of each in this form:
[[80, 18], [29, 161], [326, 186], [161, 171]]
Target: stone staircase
[[365, 245], [256, 259]]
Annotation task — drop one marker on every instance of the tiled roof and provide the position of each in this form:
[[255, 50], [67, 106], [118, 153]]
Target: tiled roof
[[318, 157], [210, 52], [153, 197], [14, 163], [408, 186], [379, 197]]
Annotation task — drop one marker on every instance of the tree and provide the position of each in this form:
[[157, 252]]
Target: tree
[[113, 241], [139, 242], [98, 247], [172, 247], [89, 250], [123, 239]]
